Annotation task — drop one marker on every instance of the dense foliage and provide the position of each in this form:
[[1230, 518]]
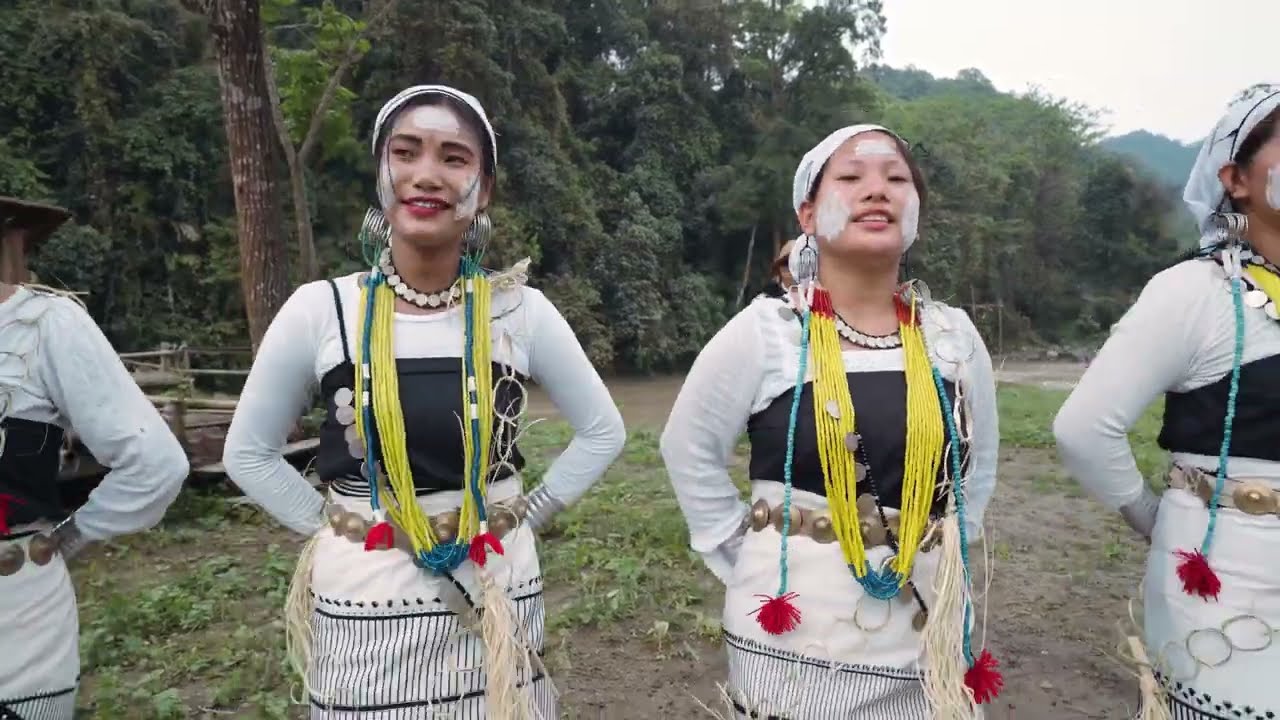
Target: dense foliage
[[644, 145]]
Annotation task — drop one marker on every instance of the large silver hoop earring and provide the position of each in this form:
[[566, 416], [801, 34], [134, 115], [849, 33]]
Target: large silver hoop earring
[[1232, 226], [476, 238], [375, 235]]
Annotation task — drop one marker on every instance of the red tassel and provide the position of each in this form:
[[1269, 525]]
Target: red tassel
[[5, 502], [903, 305], [381, 537], [821, 304], [777, 614], [1196, 575], [477, 552], [983, 679]]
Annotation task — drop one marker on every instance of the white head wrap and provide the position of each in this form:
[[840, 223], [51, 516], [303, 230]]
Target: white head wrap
[[813, 161], [1204, 194], [399, 101]]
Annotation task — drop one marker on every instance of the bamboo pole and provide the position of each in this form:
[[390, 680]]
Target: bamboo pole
[[195, 403], [216, 371]]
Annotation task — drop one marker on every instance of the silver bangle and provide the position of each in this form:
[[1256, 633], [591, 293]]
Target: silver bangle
[[542, 507], [67, 538]]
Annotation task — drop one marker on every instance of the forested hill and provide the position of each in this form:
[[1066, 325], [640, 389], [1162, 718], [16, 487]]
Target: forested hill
[[1168, 160], [647, 151]]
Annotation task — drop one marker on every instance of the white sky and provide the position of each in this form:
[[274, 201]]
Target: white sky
[[1150, 64]]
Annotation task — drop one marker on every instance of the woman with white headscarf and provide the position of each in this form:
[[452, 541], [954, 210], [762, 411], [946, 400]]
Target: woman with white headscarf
[[1205, 334], [420, 590], [871, 414]]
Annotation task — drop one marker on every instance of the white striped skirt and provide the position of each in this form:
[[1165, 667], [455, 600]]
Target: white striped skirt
[[852, 657], [39, 639], [386, 640]]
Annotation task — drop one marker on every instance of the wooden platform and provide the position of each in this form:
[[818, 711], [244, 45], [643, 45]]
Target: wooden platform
[[295, 452]]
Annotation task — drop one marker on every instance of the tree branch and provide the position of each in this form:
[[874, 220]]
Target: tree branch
[[277, 113], [335, 80]]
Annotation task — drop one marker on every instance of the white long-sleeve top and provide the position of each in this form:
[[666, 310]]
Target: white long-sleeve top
[[1179, 335], [58, 368], [753, 360], [303, 343]]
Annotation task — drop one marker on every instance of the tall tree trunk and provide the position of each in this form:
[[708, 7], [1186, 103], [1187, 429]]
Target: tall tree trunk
[[308, 264], [246, 114]]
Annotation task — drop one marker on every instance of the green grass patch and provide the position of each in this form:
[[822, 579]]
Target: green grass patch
[[623, 549], [1026, 421]]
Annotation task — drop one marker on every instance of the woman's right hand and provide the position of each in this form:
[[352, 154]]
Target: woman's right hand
[[1141, 513]]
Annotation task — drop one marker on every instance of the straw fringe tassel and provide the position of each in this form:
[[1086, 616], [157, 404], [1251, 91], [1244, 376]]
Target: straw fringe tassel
[[1154, 706], [942, 640], [298, 606], [505, 656]]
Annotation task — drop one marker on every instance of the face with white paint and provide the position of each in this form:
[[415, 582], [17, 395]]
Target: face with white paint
[[431, 180], [866, 204], [1253, 182]]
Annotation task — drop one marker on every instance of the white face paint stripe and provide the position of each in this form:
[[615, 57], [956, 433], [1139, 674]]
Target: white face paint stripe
[[434, 117], [386, 181], [1273, 187], [910, 220], [833, 214], [874, 147], [470, 200]]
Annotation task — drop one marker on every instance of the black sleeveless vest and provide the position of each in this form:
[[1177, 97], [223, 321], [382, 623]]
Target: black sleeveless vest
[[880, 406], [29, 471], [431, 400], [1194, 421]]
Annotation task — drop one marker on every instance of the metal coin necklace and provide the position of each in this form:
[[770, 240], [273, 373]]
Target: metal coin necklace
[[1255, 267], [445, 297]]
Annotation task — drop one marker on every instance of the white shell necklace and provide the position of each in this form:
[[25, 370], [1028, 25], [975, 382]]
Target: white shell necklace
[[847, 331], [871, 342], [445, 297]]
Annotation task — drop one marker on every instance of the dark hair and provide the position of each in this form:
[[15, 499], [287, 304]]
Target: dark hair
[[1261, 133], [461, 109], [1249, 147], [917, 175]]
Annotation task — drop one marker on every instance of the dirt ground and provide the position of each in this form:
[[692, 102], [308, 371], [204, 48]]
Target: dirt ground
[[1063, 571]]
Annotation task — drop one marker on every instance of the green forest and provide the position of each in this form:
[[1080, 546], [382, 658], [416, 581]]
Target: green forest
[[646, 152]]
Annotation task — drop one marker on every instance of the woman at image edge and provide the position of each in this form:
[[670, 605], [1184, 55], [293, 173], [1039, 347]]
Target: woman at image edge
[[393, 627], [58, 373], [1211, 595], [836, 609]]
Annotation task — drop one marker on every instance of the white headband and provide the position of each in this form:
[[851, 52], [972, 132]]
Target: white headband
[[813, 161], [399, 101], [1204, 194]]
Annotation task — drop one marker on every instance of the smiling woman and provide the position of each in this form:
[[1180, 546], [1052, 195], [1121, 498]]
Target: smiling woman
[[421, 587], [871, 414]]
